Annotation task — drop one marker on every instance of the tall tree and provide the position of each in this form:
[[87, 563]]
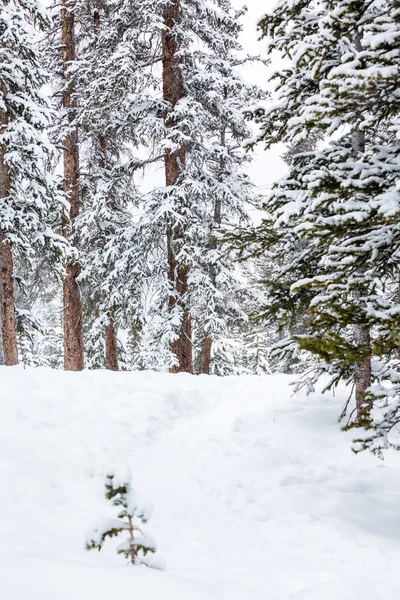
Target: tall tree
[[331, 210], [199, 46], [175, 162], [28, 193], [119, 43], [74, 359]]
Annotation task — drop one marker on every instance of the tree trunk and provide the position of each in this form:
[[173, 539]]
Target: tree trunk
[[205, 355], [1, 341], [362, 372], [73, 321], [111, 346], [7, 303], [178, 273], [8, 322]]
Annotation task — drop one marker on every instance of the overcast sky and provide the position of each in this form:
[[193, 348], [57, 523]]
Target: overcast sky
[[267, 165]]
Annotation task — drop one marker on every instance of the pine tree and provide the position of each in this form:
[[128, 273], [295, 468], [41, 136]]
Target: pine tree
[[333, 206], [28, 193], [74, 358], [206, 186], [116, 113], [133, 514]]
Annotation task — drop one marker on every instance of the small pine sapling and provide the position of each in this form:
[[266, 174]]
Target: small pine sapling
[[134, 512]]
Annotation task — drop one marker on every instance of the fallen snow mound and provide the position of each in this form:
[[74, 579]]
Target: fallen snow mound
[[257, 495]]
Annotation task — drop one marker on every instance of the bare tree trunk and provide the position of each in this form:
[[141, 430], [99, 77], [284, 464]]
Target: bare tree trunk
[[7, 303], [205, 355], [362, 372], [8, 322], [178, 273], [1, 340], [73, 321], [111, 347]]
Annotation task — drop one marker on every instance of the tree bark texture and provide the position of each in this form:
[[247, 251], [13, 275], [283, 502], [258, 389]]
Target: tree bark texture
[[178, 272], [72, 304], [362, 372], [111, 347], [205, 355], [7, 303], [1, 341]]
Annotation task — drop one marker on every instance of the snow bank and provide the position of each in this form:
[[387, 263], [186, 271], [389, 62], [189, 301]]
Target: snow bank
[[257, 495]]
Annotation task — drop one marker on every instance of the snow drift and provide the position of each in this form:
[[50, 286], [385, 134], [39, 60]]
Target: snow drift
[[257, 495]]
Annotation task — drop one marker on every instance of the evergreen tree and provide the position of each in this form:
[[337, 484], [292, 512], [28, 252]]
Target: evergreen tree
[[61, 54], [116, 114], [133, 514], [205, 181], [29, 199], [336, 211]]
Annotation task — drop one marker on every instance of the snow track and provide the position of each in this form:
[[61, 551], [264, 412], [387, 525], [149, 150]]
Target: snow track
[[257, 495]]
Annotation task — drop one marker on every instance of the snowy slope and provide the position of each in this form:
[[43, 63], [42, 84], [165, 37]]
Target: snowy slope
[[257, 495]]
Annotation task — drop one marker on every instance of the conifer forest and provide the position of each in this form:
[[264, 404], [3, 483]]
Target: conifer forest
[[200, 297]]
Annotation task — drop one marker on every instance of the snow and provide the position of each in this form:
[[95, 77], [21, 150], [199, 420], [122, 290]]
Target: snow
[[257, 494]]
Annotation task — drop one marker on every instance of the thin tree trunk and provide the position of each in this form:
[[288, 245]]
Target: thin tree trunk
[[7, 303], [110, 336], [362, 372], [111, 347], [205, 355], [8, 322], [73, 321], [178, 273]]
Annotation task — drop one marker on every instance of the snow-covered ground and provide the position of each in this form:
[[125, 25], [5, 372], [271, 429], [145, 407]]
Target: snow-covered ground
[[257, 495]]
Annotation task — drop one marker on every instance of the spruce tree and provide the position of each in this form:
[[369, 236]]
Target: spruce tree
[[74, 358], [116, 114], [206, 185], [133, 514], [333, 209], [29, 199]]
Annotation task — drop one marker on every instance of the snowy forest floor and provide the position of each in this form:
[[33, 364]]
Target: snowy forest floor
[[256, 492]]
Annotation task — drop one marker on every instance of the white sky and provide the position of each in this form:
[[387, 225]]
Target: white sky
[[267, 166]]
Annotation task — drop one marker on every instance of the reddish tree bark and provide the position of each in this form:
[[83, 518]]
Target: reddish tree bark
[[205, 355], [111, 347], [73, 321], [178, 273], [7, 303]]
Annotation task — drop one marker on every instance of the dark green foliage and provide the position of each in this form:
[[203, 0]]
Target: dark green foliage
[[133, 513]]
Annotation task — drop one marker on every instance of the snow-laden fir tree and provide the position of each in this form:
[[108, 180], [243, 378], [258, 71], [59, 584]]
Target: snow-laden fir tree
[[336, 213], [29, 199], [119, 43], [206, 185], [134, 511], [218, 290]]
